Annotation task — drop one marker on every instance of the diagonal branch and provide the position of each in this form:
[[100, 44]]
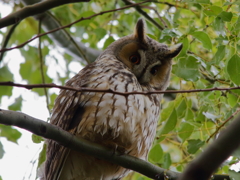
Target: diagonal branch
[[6, 39], [84, 89], [62, 38], [139, 9], [215, 154], [66, 139], [31, 10], [223, 124], [69, 25]]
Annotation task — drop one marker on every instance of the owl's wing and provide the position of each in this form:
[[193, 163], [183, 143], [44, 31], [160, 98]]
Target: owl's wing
[[66, 115]]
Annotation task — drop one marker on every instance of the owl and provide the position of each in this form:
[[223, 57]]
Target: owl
[[133, 63]]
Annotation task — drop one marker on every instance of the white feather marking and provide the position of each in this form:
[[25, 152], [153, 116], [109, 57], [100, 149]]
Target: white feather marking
[[76, 100], [62, 99]]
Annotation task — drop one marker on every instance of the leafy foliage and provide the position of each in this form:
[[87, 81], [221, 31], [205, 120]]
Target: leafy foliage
[[209, 31]]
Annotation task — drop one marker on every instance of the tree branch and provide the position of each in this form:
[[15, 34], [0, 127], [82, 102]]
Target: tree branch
[[139, 9], [42, 63], [66, 139], [6, 39], [31, 10], [215, 154], [83, 89], [223, 124], [62, 37], [69, 25]]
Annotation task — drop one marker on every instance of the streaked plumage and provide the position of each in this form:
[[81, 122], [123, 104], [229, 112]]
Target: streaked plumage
[[132, 63]]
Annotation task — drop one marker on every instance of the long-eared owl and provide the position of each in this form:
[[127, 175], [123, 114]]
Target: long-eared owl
[[132, 63]]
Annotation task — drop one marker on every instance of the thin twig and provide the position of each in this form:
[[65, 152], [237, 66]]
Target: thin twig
[[139, 9], [42, 64], [223, 124], [158, 15], [7, 38], [69, 25], [84, 89]]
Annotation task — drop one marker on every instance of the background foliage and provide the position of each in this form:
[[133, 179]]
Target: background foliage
[[209, 31]]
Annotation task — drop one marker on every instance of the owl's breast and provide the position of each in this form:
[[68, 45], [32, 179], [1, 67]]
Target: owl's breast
[[127, 120]]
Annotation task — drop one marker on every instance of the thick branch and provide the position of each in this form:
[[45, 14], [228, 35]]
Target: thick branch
[[31, 10], [216, 153], [83, 89], [66, 139]]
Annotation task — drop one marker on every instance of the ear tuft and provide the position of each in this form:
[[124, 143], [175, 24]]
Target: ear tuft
[[140, 33], [174, 50]]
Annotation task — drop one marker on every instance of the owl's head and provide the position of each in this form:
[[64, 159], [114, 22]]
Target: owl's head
[[147, 59]]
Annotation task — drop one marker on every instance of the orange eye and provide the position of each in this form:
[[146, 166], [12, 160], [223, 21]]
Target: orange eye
[[154, 70], [135, 59]]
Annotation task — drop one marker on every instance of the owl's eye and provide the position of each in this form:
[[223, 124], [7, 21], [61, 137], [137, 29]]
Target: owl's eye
[[154, 70], [135, 59]]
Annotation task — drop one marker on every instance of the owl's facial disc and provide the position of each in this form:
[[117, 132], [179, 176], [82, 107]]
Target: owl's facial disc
[[146, 58]]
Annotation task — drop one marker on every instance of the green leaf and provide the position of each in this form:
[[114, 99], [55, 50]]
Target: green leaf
[[189, 115], [16, 106], [194, 145], [185, 47], [218, 25], [1, 150], [237, 25], [180, 168], [185, 131], [203, 38], [37, 139], [169, 125], [166, 112], [31, 72], [156, 153], [181, 109], [197, 1], [212, 10], [5, 75], [10, 133], [100, 32], [232, 99], [152, 36], [108, 42], [42, 155], [166, 161], [220, 54], [226, 16], [233, 67], [187, 68]]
